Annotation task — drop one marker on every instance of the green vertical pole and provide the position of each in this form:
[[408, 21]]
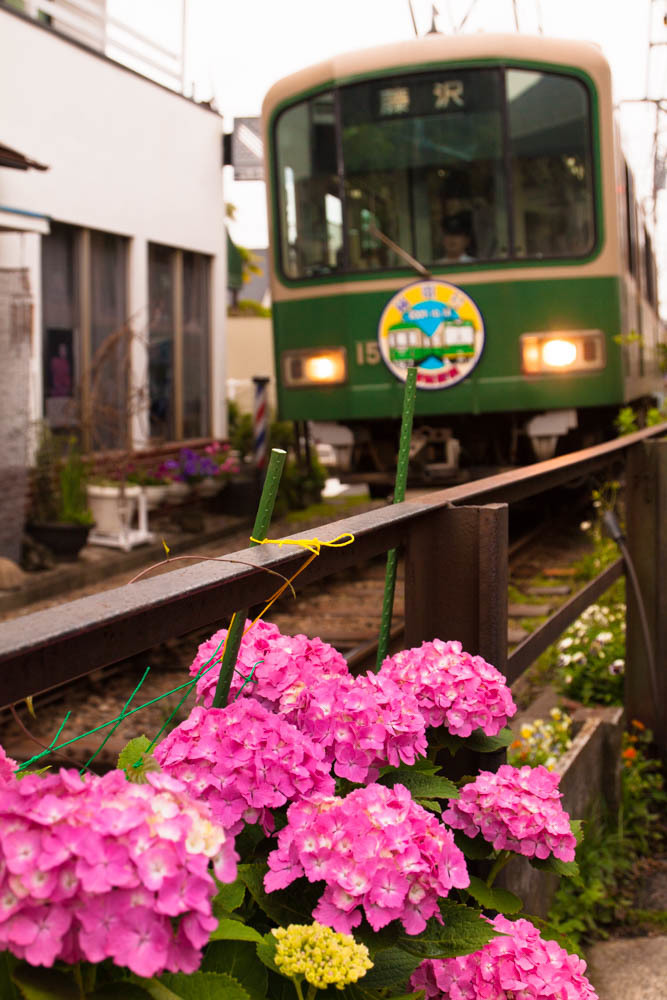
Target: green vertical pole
[[262, 521], [399, 495]]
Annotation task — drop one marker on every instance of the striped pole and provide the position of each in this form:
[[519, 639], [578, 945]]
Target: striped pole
[[260, 422]]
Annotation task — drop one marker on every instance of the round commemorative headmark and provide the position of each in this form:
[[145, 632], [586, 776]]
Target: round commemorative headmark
[[434, 326]]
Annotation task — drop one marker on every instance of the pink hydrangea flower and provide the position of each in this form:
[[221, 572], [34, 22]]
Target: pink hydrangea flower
[[452, 688], [362, 722], [96, 868], [7, 766], [378, 851], [515, 809], [244, 761], [520, 964], [282, 663]]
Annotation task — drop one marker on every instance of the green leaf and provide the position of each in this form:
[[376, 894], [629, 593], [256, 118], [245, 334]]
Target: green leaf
[[234, 930], [423, 779], [204, 986], [266, 951], [556, 866], [463, 932], [228, 897], [430, 805], [391, 967], [7, 987], [475, 848], [36, 983], [577, 827], [156, 989], [287, 906], [112, 991], [477, 741], [493, 898], [134, 760], [377, 941], [358, 991], [238, 959]]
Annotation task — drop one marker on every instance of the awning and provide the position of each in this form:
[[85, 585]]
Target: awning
[[18, 161]]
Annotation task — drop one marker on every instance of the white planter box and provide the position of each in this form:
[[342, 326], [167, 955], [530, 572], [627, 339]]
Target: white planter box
[[113, 508]]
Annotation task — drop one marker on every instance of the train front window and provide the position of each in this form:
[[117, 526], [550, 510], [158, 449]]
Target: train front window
[[455, 166], [552, 184], [424, 164]]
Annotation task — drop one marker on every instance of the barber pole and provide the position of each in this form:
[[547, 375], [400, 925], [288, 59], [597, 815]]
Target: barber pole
[[260, 421]]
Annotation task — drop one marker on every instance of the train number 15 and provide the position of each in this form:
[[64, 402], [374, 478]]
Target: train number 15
[[368, 352]]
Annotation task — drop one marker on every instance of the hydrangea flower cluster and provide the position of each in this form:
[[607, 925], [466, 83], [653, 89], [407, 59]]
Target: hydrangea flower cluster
[[520, 964], [362, 722], [283, 665], [452, 688], [515, 809], [377, 849], [98, 868], [244, 761], [322, 956]]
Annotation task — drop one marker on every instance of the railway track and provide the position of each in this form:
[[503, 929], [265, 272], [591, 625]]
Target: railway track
[[345, 613]]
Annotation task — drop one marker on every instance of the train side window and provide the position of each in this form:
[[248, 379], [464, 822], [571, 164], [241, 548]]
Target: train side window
[[551, 164], [649, 262], [631, 221]]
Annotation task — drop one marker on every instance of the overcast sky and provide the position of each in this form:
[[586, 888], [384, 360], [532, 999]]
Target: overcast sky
[[236, 49]]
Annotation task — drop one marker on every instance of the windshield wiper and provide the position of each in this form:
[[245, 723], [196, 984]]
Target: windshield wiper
[[375, 232]]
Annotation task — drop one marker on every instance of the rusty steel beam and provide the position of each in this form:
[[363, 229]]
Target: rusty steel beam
[[48, 648]]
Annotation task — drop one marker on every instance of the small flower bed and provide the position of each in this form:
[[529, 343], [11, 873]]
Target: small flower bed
[[590, 658], [542, 741]]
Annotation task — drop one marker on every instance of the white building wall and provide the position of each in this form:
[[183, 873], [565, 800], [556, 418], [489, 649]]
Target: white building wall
[[125, 156]]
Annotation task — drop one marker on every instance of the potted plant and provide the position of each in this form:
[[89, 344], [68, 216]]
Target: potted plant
[[60, 517]]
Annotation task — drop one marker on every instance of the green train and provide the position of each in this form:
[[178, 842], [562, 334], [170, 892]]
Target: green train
[[461, 204]]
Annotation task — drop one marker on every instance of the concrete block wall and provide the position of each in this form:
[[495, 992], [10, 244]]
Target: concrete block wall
[[15, 333]]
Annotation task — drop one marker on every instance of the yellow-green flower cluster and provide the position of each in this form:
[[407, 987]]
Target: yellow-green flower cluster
[[542, 742], [323, 956]]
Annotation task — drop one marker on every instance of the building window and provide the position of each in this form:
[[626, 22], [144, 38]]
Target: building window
[[195, 345], [86, 340], [179, 334], [61, 346]]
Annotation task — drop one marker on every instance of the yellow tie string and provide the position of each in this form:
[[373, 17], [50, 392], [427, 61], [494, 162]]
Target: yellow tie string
[[313, 545]]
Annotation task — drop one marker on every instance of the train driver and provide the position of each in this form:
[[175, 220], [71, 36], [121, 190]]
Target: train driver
[[456, 239]]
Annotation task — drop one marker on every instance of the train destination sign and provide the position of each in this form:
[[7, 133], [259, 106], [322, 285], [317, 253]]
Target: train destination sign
[[435, 326]]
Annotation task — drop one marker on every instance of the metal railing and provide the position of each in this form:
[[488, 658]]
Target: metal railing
[[456, 573]]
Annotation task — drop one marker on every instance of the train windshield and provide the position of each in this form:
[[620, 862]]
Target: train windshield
[[455, 167]]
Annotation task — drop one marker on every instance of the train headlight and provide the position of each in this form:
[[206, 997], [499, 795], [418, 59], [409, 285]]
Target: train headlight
[[562, 351], [323, 366]]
